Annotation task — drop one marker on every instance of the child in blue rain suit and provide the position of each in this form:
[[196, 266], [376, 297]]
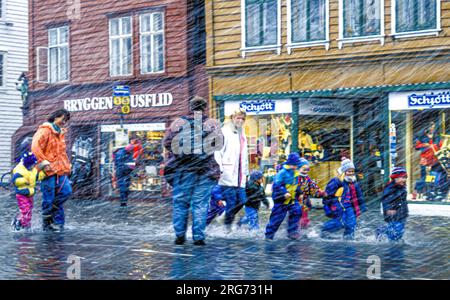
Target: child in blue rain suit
[[216, 204], [284, 197], [395, 206], [255, 195], [344, 203], [124, 164]]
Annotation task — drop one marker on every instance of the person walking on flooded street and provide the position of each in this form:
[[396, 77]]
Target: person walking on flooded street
[[49, 146], [191, 168], [233, 162], [124, 164]]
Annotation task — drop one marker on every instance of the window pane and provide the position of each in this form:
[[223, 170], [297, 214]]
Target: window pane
[[146, 52], [145, 23], [299, 20], [52, 37], [63, 34], [308, 20], [361, 18], [126, 56], [414, 15], [126, 25], [157, 22], [64, 64], [158, 53], [426, 18], [270, 21], [115, 57], [317, 27], [53, 64], [253, 16], [114, 27]]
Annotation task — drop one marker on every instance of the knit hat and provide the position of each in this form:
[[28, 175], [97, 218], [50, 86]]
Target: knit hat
[[398, 172], [28, 159], [346, 165], [129, 148], [303, 162], [293, 159], [255, 175]]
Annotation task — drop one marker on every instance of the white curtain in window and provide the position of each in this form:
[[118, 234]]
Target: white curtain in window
[[253, 17], [361, 18], [415, 15], [261, 22]]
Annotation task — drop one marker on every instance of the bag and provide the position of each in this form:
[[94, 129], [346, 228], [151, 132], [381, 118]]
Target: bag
[[333, 209]]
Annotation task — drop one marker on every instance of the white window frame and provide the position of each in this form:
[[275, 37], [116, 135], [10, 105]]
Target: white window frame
[[120, 37], [58, 46], [341, 40], [244, 50], [419, 33], [290, 45], [143, 34], [4, 67]]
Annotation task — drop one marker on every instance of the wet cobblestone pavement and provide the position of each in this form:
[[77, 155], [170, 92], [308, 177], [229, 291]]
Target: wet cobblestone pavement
[[137, 243]]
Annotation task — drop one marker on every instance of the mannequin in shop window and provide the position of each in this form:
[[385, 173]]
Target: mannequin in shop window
[[305, 141], [433, 176]]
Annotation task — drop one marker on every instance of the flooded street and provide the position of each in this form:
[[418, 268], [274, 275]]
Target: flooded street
[[137, 243]]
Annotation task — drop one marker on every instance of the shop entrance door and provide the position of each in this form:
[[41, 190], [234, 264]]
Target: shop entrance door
[[370, 130]]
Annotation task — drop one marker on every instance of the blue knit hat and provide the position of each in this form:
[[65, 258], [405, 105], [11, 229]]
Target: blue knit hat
[[28, 159], [293, 159], [398, 172], [303, 162], [255, 175]]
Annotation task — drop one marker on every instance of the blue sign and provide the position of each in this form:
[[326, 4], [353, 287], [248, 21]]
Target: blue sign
[[121, 91], [258, 106], [441, 99]]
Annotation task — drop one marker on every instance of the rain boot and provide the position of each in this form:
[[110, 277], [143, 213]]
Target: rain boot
[[47, 224]]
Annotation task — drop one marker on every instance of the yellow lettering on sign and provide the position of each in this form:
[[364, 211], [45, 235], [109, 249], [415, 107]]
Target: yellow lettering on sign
[[126, 109], [125, 100], [117, 100]]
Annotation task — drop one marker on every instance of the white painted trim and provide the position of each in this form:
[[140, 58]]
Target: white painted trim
[[420, 33], [58, 46], [38, 64], [3, 12], [244, 50], [152, 33], [290, 45], [417, 209], [341, 40]]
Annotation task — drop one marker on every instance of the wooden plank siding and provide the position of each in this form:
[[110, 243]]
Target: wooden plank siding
[[89, 37], [225, 28]]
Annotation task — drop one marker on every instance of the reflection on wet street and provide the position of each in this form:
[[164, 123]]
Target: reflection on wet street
[[137, 243]]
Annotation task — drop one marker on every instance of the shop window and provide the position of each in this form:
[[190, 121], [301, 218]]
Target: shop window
[[415, 15], [152, 42], [261, 23], [58, 54], [2, 69], [423, 147], [308, 20], [120, 42], [362, 18], [148, 155]]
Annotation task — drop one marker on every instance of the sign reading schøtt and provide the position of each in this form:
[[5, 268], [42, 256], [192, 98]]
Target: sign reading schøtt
[[107, 103], [419, 100]]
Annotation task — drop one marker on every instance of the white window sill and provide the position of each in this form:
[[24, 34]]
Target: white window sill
[[276, 48], [120, 75], [343, 41], [57, 82], [410, 34], [154, 73], [308, 44]]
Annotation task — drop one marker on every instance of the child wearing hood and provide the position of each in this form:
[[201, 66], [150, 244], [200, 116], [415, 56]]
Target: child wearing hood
[[24, 178], [395, 206], [285, 200], [345, 201], [306, 188]]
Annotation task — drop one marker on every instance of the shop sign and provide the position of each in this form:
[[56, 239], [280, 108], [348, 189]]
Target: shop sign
[[107, 103], [325, 107], [257, 107], [135, 127], [419, 100]]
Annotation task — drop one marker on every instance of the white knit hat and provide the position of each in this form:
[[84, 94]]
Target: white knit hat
[[346, 165]]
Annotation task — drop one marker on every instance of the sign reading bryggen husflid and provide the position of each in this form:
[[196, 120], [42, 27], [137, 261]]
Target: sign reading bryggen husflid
[[107, 103]]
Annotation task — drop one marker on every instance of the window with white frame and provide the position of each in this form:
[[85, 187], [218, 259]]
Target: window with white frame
[[152, 42], [308, 20], [120, 41], [415, 15], [58, 54], [2, 9], [2, 69], [261, 23], [362, 18]]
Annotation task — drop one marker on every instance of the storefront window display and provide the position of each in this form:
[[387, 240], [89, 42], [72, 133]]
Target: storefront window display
[[148, 154], [420, 141]]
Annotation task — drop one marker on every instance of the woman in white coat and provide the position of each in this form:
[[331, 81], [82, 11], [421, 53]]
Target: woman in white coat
[[233, 162]]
